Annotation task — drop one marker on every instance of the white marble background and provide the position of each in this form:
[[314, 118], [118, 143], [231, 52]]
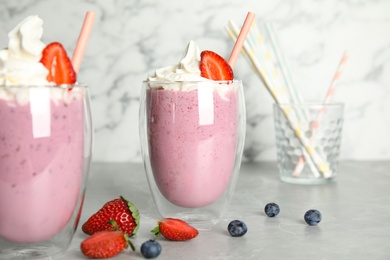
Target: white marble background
[[132, 37]]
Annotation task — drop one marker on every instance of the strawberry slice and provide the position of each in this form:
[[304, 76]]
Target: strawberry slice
[[213, 66], [55, 59], [105, 244], [175, 229]]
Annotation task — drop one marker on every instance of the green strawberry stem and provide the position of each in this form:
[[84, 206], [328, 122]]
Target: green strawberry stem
[[129, 242], [114, 224], [115, 228]]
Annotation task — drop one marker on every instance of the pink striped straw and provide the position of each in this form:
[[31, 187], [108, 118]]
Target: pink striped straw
[[336, 77], [314, 125]]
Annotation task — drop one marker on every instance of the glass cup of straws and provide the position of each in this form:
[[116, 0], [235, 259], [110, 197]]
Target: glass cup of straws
[[308, 138], [192, 135]]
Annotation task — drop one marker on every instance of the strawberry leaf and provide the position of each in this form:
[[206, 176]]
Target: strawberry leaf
[[135, 214], [156, 231]]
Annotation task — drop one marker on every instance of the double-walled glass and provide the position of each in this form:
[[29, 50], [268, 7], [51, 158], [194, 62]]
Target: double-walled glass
[[192, 136], [45, 151]]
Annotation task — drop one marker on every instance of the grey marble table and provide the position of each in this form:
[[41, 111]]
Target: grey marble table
[[355, 209]]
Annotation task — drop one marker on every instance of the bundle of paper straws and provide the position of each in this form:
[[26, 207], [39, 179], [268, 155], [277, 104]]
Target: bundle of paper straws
[[269, 63]]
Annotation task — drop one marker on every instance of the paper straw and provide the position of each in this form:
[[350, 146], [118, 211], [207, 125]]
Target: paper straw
[[82, 41], [336, 77], [241, 39], [253, 45], [259, 55], [320, 164], [257, 42], [249, 56], [339, 71], [295, 95]]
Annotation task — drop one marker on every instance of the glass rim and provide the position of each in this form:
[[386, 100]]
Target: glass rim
[[234, 81], [63, 86], [313, 103]]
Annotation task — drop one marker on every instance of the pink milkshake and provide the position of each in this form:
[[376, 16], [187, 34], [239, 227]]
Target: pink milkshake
[[192, 162], [192, 130], [41, 161]]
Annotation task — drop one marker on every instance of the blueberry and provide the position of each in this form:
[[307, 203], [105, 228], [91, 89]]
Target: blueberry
[[313, 217], [150, 249], [272, 209], [237, 228]]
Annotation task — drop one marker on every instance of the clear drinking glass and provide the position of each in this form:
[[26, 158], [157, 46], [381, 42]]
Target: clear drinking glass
[[308, 139], [192, 136], [45, 151]]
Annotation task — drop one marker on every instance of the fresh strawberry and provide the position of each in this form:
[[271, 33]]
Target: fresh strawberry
[[55, 59], [105, 244], [213, 66], [175, 229], [121, 211]]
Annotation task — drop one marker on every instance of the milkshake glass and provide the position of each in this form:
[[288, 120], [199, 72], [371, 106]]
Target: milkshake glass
[[192, 136], [45, 151]]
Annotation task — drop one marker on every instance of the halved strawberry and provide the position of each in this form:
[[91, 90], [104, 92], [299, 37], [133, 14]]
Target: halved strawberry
[[55, 59], [213, 66], [120, 211], [175, 229], [105, 244]]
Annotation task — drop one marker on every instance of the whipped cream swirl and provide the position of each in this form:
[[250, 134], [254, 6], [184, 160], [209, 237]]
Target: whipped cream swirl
[[19, 63], [186, 70]]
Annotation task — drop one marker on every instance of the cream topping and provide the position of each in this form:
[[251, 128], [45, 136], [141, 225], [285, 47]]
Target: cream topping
[[19, 63]]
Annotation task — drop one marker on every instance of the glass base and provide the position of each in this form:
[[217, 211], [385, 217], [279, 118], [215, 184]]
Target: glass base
[[307, 181], [199, 218], [39, 252], [199, 222]]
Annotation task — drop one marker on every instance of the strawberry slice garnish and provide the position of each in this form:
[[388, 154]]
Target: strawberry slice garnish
[[118, 214], [214, 67], [175, 229], [55, 59], [105, 244]]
